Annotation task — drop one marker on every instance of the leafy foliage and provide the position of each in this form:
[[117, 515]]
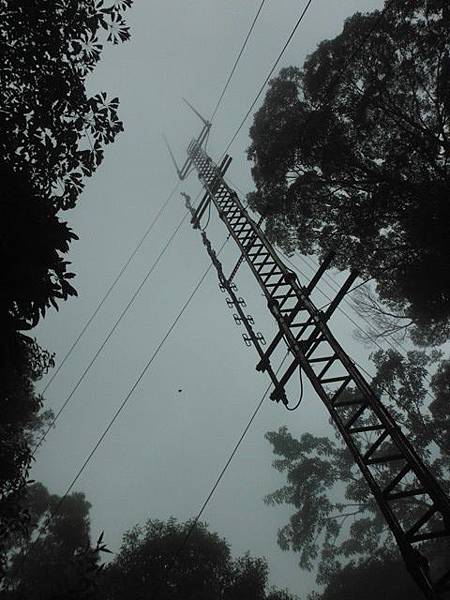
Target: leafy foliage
[[60, 562], [22, 363], [52, 136], [157, 559], [51, 130], [369, 581], [33, 273], [336, 518], [351, 152]]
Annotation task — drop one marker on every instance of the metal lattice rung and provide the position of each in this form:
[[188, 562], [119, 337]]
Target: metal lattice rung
[[376, 460], [406, 494], [334, 379], [365, 428], [355, 417]]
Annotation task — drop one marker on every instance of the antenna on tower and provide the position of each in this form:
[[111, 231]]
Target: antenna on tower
[[205, 122], [185, 169]]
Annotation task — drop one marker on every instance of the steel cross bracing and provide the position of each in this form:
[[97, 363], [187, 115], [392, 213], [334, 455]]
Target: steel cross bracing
[[413, 503]]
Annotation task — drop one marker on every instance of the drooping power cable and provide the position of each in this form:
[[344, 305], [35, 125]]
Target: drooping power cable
[[112, 330], [120, 409], [237, 60], [111, 288], [274, 66], [215, 484]]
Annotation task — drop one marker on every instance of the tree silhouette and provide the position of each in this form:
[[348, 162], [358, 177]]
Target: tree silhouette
[[351, 152], [54, 558], [52, 137], [51, 130], [156, 561], [23, 421], [387, 579], [33, 272], [336, 519]]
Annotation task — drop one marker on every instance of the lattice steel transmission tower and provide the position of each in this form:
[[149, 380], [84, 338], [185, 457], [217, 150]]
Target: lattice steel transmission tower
[[393, 470]]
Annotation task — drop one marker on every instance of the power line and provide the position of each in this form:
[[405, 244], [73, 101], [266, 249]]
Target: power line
[[291, 35], [390, 341], [111, 287], [114, 327], [115, 416], [339, 308], [300, 396], [359, 328], [217, 482], [237, 60], [122, 405], [319, 289], [141, 375], [352, 306], [333, 82], [330, 87], [335, 289], [126, 265]]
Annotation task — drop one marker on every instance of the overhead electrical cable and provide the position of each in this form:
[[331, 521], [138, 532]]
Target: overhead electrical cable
[[329, 277], [111, 287], [216, 483], [332, 284], [389, 342], [339, 308], [112, 330], [300, 397], [237, 60], [193, 525], [261, 89], [333, 82], [122, 405]]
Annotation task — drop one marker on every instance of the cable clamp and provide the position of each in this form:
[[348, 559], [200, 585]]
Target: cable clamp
[[261, 339], [247, 340]]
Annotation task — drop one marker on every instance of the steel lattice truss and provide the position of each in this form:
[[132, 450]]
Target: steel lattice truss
[[392, 469]]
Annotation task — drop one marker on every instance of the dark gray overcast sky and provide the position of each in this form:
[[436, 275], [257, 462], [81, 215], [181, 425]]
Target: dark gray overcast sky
[[167, 448]]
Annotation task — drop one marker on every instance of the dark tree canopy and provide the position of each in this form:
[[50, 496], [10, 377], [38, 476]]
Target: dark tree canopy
[[374, 580], [153, 559], [336, 519], [23, 421], [351, 153], [52, 137], [33, 240], [61, 563], [51, 129]]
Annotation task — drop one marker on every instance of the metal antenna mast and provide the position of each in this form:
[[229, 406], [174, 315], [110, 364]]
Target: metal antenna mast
[[393, 470]]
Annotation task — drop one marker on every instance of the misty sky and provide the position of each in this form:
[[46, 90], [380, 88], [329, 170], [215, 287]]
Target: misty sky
[[167, 447]]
